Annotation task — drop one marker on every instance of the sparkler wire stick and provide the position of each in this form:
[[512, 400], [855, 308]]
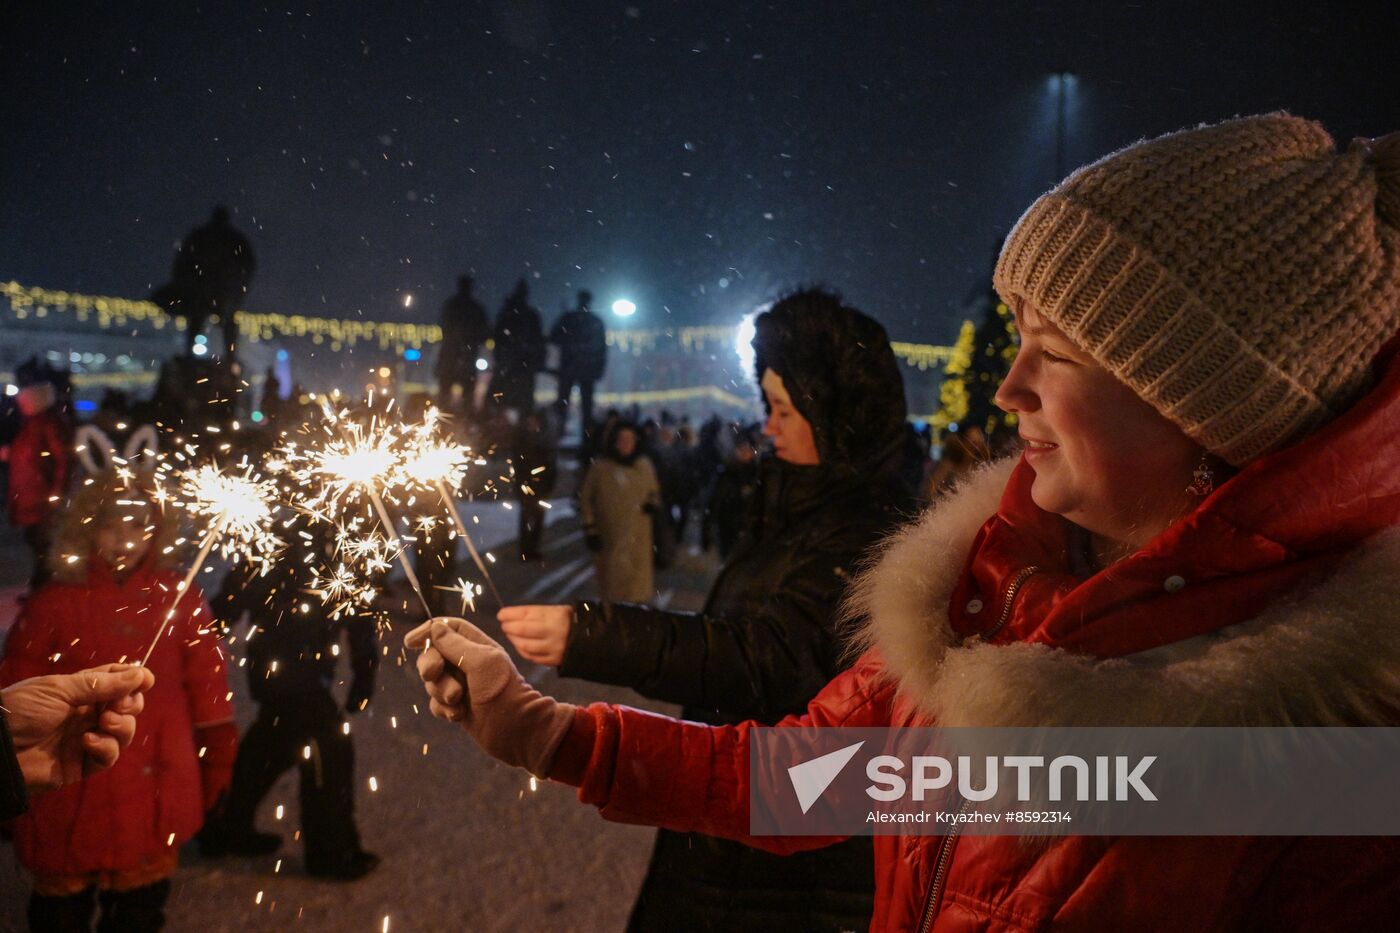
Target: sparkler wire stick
[[184, 586], [471, 548], [398, 545]]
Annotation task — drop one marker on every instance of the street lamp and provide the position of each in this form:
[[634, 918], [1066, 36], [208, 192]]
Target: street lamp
[[1061, 82], [624, 308]]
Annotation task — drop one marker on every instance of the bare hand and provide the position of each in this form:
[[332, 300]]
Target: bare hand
[[539, 633], [66, 726]]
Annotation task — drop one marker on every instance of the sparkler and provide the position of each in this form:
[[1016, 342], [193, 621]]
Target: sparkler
[[355, 458], [437, 464], [239, 507]]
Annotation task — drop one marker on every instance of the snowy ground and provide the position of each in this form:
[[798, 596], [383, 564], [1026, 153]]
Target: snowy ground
[[467, 844]]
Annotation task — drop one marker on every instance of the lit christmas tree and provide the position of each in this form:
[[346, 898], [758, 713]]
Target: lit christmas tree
[[980, 361]]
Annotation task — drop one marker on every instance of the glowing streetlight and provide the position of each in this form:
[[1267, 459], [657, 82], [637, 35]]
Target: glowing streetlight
[[743, 341], [624, 308], [1061, 83]]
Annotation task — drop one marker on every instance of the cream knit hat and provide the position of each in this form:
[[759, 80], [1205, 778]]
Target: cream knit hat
[[1240, 277]]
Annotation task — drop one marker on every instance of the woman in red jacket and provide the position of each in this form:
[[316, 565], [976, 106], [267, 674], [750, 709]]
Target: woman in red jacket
[[115, 837], [1201, 530]]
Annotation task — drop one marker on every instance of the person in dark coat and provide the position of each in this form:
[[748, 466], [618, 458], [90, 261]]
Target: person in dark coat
[[536, 468], [766, 640], [519, 351], [464, 329], [732, 503], [211, 275], [583, 356], [292, 655]]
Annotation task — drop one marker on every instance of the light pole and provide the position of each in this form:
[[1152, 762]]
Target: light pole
[[1062, 80]]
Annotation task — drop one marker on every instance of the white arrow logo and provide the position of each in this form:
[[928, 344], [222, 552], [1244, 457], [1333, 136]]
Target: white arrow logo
[[811, 778]]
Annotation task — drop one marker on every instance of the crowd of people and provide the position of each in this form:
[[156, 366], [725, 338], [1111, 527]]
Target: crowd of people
[[1197, 529], [518, 353]]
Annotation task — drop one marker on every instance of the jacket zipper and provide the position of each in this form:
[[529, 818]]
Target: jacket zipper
[[945, 851], [1012, 589], [945, 855]]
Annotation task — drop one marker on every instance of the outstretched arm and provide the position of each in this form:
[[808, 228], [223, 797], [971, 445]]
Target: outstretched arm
[[763, 665], [636, 767]]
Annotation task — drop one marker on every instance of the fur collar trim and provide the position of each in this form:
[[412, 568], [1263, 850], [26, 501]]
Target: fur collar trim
[[1329, 655]]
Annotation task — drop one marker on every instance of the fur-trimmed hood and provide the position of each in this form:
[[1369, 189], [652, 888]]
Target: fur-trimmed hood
[[1327, 655]]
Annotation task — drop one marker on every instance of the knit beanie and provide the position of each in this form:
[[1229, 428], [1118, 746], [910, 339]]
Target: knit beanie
[[1240, 277]]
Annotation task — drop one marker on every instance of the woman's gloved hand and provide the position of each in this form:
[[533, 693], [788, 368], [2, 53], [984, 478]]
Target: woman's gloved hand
[[471, 680]]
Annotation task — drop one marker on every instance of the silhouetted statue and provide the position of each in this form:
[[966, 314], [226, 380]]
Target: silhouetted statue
[[583, 357], [519, 351], [465, 328], [211, 276]]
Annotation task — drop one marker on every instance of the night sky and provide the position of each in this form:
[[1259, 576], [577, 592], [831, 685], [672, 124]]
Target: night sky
[[694, 157]]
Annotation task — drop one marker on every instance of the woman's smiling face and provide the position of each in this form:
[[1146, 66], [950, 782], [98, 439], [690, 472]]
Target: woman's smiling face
[[1103, 458]]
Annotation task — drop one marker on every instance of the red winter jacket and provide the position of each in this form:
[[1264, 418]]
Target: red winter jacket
[[151, 799], [39, 464], [1198, 635]]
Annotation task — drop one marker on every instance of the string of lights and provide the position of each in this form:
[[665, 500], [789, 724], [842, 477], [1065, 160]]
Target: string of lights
[[27, 301]]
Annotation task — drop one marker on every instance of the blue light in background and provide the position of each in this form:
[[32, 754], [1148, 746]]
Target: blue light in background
[[85, 404], [413, 355]]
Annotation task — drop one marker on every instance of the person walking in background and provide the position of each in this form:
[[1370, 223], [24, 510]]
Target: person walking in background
[[535, 469], [465, 329], [114, 839], [675, 472], [40, 460], [766, 640], [292, 657], [519, 352], [616, 503], [733, 503], [583, 358]]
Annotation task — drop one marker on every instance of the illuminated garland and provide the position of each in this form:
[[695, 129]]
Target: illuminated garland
[[338, 333]]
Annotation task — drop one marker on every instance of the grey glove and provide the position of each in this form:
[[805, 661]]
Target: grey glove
[[471, 680]]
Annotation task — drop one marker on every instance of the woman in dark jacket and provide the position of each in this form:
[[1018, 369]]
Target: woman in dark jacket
[[766, 640]]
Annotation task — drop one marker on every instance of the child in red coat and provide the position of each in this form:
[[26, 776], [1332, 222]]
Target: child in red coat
[[115, 837]]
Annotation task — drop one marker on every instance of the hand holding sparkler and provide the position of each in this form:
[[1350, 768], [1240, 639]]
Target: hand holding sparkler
[[471, 680]]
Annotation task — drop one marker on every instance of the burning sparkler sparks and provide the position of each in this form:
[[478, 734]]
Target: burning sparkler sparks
[[357, 462], [239, 505], [437, 464], [239, 510]]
